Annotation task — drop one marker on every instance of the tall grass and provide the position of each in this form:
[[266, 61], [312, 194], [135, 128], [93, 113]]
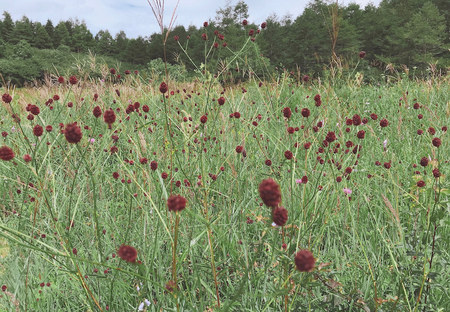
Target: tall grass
[[358, 196]]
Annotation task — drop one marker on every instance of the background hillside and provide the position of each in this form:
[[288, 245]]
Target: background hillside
[[398, 34]]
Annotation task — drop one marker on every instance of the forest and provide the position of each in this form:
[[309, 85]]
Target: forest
[[397, 35]]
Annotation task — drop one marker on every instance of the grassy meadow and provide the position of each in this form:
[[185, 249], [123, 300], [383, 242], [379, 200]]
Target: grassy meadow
[[361, 174]]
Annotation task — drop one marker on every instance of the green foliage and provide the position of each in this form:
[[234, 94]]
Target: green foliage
[[23, 30], [7, 27], [426, 32], [157, 69], [61, 35], [17, 71], [82, 39], [371, 246], [104, 42], [42, 39], [22, 50], [397, 34]]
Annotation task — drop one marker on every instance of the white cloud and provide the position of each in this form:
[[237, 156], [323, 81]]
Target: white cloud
[[135, 17]]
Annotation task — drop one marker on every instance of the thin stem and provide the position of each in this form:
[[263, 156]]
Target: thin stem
[[174, 257], [94, 189], [213, 265]]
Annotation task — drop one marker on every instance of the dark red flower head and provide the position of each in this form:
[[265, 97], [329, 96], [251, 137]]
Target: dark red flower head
[[304, 261], [263, 25], [73, 133], [112, 71], [34, 110], [205, 24], [176, 203], [421, 183], [109, 117], [270, 192], [6, 98], [163, 87], [280, 216], [73, 80], [6, 153], [356, 120], [436, 142], [97, 112], [244, 22], [362, 54], [424, 161], [436, 173], [331, 136], [127, 253], [318, 100], [204, 36], [221, 100], [38, 130], [305, 112], [203, 119], [61, 79], [384, 123], [287, 112], [361, 134], [288, 154]]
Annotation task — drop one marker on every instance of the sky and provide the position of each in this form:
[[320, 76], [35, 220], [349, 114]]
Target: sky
[[135, 17]]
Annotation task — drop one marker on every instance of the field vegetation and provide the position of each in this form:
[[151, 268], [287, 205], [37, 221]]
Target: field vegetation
[[271, 191]]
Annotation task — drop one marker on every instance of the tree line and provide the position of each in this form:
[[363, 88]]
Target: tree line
[[411, 33]]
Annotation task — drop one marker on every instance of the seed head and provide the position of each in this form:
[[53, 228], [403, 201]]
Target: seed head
[[361, 134], [287, 112], [6, 98], [356, 120], [288, 154], [331, 136], [280, 216], [304, 261], [38, 130], [73, 133], [384, 123], [305, 112], [109, 117], [424, 161], [6, 153], [127, 253], [163, 87], [73, 80], [97, 112], [176, 203], [270, 193], [436, 142]]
